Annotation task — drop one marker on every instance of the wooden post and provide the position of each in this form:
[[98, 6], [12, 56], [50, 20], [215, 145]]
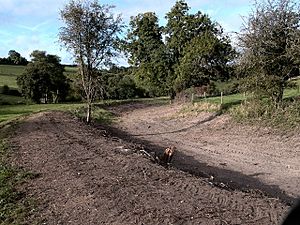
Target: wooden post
[[192, 97], [221, 97], [205, 96]]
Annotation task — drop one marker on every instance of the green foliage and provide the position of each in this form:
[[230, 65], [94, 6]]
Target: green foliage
[[228, 87], [91, 35], [14, 58], [11, 100], [14, 206], [193, 53], [148, 54], [4, 90], [271, 47], [8, 75], [263, 86], [264, 112], [183, 27], [98, 114], [43, 79], [205, 58], [8, 91], [119, 84], [9, 113]]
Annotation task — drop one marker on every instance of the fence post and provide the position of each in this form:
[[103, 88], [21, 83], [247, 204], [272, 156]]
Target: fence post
[[193, 98], [221, 97]]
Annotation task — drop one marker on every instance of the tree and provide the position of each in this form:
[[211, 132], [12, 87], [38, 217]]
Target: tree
[[182, 27], [14, 56], [199, 50], [270, 42], [204, 59], [43, 79], [148, 53], [90, 34]]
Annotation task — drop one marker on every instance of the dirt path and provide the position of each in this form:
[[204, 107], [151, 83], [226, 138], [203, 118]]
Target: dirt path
[[241, 155], [87, 178]]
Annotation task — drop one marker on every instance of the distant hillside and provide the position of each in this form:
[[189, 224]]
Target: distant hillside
[[9, 73]]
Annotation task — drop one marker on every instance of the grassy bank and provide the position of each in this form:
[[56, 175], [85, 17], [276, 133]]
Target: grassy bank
[[13, 112], [14, 205], [8, 75]]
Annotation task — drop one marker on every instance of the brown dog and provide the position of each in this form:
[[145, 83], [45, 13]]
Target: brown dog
[[168, 154]]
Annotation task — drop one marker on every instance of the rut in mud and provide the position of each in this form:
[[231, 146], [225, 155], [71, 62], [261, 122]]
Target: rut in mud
[[242, 156], [86, 177]]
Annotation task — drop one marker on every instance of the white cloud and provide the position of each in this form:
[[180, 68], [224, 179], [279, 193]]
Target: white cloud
[[27, 25]]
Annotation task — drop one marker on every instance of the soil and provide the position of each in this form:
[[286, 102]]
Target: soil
[[100, 174], [210, 144]]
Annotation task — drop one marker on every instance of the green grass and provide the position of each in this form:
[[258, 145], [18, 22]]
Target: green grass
[[14, 206], [13, 112], [235, 99], [11, 70], [8, 75], [70, 72], [9, 80], [11, 100]]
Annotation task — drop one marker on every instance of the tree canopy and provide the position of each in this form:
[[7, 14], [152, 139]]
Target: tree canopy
[[270, 42], [14, 58], [43, 79], [147, 52], [189, 50]]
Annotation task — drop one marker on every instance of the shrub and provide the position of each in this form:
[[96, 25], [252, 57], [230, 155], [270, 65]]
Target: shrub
[[286, 115], [4, 90]]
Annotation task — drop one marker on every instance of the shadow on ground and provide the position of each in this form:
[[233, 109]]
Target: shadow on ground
[[222, 177]]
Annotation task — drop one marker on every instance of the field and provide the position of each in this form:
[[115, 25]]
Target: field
[[222, 172], [8, 75], [218, 175], [12, 112], [100, 174]]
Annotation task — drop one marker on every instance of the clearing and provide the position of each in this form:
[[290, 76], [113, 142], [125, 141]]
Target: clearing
[[90, 176]]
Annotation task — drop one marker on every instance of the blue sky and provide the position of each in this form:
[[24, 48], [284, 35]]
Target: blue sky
[[28, 25]]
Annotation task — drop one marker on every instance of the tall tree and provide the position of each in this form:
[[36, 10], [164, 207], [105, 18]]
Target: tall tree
[[199, 50], [147, 52], [204, 59], [15, 58], [182, 27], [43, 78], [90, 34], [270, 41]]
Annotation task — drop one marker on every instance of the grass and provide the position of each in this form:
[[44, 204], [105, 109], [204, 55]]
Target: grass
[[8, 75], [13, 112], [70, 72], [11, 100], [14, 206]]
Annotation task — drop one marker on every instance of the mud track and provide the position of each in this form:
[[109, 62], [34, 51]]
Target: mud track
[[244, 157], [87, 177]]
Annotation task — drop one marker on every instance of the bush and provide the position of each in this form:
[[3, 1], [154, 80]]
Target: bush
[[4, 90], [122, 87], [286, 115]]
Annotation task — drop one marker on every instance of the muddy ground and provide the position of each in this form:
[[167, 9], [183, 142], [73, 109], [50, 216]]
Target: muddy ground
[[210, 144], [90, 176]]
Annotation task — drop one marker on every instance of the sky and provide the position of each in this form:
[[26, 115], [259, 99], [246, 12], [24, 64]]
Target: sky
[[28, 25]]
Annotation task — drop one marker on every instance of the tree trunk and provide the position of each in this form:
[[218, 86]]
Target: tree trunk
[[88, 113]]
